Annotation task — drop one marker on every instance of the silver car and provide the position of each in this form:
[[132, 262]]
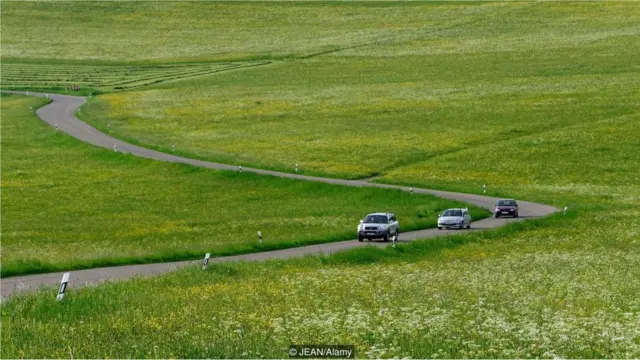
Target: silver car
[[454, 218], [378, 226]]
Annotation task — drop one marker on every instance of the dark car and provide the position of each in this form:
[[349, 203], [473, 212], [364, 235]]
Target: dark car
[[506, 207]]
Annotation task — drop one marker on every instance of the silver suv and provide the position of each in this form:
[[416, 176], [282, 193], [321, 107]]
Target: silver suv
[[378, 226]]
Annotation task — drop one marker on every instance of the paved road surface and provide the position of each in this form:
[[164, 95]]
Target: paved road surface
[[60, 113]]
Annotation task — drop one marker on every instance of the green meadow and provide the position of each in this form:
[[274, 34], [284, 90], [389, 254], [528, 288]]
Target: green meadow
[[357, 118], [161, 32], [562, 287], [67, 205], [352, 90], [96, 79], [538, 100], [418, 94]]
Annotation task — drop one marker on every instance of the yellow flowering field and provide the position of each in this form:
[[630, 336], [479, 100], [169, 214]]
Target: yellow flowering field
[[588, 164], [539, 101], [561, 290], [486, 75]]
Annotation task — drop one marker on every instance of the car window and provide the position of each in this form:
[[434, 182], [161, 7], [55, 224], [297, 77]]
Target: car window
[[506, 203], [376, 219], [452, 213]]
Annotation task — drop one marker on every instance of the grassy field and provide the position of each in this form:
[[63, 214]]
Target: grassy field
[[440, 89], [346, 95], [163, 31], [96, 79], [67, 205], [563, 289], [592, 163], [537, 100]]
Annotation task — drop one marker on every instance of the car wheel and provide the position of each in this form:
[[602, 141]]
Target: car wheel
[[360, 238], [397, 233], [469, 226], [497, 215], [439, 227], [385, 238], [515, 215], [461, 226]]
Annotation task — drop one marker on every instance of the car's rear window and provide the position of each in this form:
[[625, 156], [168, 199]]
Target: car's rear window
[[452, 213]]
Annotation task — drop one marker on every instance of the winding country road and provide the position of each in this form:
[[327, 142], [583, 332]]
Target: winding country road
[[60, 113]]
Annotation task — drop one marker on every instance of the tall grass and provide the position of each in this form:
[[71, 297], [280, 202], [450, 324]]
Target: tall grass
[[553, 288]]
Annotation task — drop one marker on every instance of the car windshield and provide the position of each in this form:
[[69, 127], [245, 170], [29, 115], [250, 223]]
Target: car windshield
[[452, 213], [506, 203], [376, 219]]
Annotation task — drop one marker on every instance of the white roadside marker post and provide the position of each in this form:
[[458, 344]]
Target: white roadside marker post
[[240, 168], [564, 212], [393, 240], [260, 237], [205, 263], [115, 148], [27, 92], [31, 108], [484, 188], [296, 168], [46, 95], [410, 190], [63, 286], [56, 125], [173, 148]]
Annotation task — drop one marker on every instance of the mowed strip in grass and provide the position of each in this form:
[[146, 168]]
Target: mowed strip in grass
[[485, 76], [94, 79], [67, 205]]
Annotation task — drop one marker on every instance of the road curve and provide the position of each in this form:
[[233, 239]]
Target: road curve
[[60, 113]]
